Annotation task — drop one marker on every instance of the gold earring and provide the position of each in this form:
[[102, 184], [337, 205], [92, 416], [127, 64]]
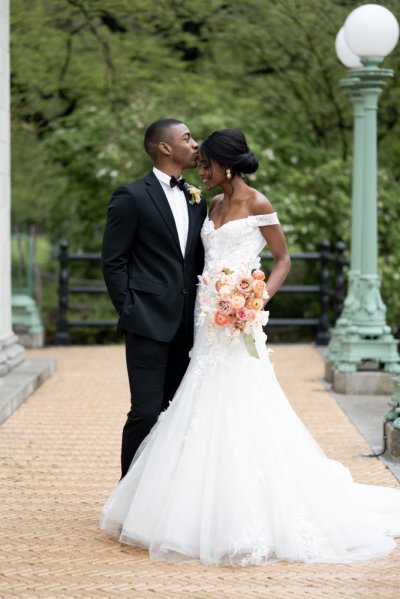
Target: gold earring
[[228, 174]]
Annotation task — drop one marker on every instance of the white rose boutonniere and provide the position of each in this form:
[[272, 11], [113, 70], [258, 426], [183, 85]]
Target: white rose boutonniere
[[195, 194]]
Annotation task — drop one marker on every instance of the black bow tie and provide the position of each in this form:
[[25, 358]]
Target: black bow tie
[[179, 182]]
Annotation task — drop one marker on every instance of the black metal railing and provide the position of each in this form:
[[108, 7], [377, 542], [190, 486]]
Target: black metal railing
[[330, 291], [64, 323]]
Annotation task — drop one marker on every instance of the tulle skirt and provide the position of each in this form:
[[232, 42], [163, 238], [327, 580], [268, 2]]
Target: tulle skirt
[[230, 475]]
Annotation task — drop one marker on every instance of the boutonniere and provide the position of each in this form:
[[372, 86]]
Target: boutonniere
[[195, 194]]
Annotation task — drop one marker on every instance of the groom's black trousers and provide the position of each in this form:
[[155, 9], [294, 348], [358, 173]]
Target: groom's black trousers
[[155, 370]]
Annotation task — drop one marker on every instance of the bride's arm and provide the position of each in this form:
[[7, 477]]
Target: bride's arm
[[275, 238]]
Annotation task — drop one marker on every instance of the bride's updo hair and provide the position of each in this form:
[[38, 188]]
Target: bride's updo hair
[[229, 148]]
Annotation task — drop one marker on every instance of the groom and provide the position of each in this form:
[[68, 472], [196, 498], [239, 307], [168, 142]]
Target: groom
[[151, 256]]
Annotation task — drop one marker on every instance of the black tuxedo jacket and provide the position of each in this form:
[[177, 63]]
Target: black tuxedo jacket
[[151, 284]]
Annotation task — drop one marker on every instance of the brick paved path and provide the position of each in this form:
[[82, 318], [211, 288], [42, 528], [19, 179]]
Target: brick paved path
[[59, 458]]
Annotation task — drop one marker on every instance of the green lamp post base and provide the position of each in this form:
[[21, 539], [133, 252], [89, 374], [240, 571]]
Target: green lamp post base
[[370, 317], [356, 348], [345, 321], [361, 333]]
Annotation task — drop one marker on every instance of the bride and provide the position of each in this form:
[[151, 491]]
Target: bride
[[215, 479]]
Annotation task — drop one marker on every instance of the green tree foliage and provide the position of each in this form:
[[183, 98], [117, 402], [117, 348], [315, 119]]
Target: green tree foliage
[[89, 75]]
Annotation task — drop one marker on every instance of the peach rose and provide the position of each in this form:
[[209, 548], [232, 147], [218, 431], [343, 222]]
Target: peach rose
[[238, 325], [224, 305], [258, 274], [220, 319], [238, 301], [245, 284]]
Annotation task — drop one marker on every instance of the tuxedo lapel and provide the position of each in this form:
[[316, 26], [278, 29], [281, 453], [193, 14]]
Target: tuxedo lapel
[[160, 199]]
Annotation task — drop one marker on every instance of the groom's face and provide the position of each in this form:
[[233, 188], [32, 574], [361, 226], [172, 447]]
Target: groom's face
[[183, 148]]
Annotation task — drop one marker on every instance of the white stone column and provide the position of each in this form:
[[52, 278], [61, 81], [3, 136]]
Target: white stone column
[[11, 353]]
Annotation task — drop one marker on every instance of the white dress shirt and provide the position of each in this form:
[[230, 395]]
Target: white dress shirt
[[178, 204]]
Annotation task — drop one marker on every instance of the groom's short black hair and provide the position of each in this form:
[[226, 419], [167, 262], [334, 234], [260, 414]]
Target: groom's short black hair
[[154, 134]]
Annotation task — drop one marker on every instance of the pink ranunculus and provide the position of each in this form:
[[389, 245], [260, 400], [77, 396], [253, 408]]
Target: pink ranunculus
[[238, 301], [242, 314]]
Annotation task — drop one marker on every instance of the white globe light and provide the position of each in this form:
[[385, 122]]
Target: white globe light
[[371, 30], [344, 54]]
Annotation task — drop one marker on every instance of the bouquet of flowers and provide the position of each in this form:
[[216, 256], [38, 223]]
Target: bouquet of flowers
[[233, 302]]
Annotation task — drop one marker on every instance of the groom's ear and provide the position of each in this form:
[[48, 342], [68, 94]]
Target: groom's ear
[[164, 148]]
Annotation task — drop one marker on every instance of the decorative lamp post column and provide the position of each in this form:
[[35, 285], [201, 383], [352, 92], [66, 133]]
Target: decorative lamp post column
[[370, 33], [352, 84], [351, 303]]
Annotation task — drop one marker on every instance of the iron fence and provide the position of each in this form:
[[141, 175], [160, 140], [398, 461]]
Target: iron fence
[[329, 261]]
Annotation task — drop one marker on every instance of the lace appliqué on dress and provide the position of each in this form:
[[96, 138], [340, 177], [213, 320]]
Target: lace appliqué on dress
[[262, 220], [235, 242]]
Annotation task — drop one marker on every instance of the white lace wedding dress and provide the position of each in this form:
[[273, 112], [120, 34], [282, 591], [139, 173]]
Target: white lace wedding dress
[[229, 474]]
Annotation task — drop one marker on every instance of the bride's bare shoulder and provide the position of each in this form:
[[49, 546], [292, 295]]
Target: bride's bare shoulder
[[216, 200], [259, 203]]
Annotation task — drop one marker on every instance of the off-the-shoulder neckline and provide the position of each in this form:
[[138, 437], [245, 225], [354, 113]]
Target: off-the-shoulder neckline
[[235, 220]]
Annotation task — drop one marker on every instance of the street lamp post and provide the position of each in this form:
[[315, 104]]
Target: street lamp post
[[370, 33]]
